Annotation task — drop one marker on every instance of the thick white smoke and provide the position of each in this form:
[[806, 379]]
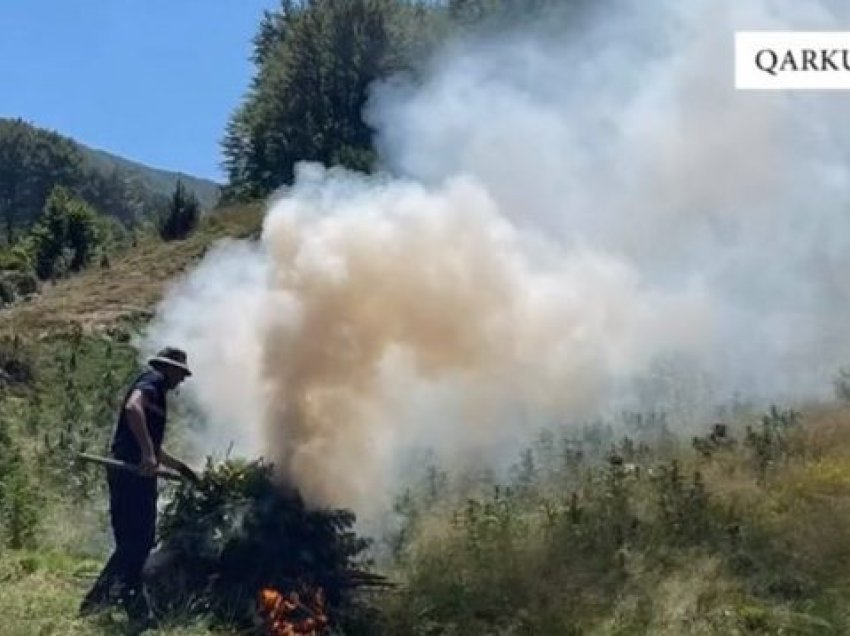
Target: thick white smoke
[[557, 215]]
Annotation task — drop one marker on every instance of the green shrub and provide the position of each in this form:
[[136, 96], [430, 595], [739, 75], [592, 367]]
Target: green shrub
[[16, 365], [65, 236], [21, 504], [19, 500], [15, 258], [7, 291], [773, 441], [15, 284]]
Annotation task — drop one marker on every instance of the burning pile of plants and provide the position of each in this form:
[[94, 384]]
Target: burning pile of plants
[[239, 547]]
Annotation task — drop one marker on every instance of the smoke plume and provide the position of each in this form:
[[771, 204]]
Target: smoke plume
[[556, 217]]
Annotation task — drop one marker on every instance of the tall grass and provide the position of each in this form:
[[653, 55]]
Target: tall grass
[[747, 532]]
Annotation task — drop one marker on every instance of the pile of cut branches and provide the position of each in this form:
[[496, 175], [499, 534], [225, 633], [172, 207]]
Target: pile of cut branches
[[239, 532]]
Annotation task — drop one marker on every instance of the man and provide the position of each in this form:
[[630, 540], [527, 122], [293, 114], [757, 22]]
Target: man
[[132, 495]]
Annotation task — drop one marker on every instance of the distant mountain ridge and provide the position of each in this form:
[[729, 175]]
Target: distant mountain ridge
[[158, 180], [34, 161]]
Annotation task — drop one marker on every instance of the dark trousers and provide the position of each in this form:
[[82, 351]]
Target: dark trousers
[[132, 510]]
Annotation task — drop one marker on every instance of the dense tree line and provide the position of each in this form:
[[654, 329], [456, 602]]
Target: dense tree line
[[315, 61], [59, 210], [33, 161]]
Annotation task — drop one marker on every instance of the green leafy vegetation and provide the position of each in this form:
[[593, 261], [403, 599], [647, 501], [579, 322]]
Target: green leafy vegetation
[[34, 161], [315, 61], [182, 216], [613, 528], [238, 532], [65, 236], [591, 531], [635, 539], [618, 528], [64, 207]]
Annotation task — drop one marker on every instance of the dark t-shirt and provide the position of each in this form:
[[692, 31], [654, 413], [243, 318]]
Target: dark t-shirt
[[124, 444]]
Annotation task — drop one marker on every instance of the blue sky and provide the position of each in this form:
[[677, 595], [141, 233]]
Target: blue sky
[[151, 80]]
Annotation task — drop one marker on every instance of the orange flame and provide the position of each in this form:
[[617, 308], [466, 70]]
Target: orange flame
[[288, 615]]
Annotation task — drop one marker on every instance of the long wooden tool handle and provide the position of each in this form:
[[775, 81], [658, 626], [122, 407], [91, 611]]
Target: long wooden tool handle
[[109, 462]]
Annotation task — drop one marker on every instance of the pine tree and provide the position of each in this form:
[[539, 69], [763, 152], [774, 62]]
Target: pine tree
[[182, 217], [82, 238], [49, 235], [315, 62]]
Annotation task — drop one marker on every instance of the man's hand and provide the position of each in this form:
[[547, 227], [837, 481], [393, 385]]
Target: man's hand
[[148, 466]]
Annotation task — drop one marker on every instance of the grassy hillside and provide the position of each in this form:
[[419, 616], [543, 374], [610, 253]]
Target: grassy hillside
[[64, 360], [132, 284], [630, 527]]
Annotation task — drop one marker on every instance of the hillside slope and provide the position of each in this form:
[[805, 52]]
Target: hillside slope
[[33, 161], [630, 529], [132, 284], [155, 179], [77, 329]]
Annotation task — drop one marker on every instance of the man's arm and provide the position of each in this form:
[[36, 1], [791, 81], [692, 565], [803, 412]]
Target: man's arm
[[138, 425], [170, 461]]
